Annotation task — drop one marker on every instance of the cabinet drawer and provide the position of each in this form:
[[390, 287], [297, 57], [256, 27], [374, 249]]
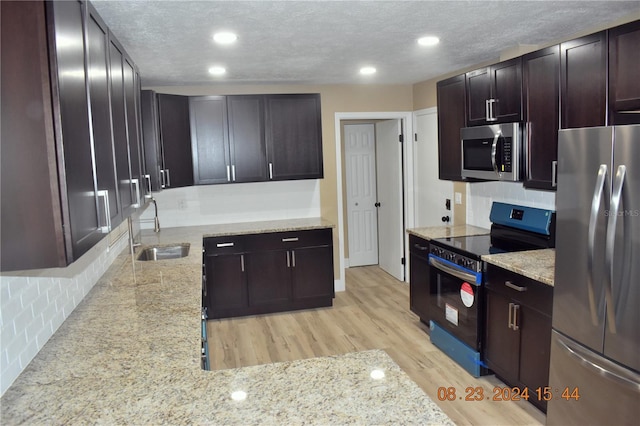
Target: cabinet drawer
[[525, 290], [418, 246], [225, 245], [289, 240]]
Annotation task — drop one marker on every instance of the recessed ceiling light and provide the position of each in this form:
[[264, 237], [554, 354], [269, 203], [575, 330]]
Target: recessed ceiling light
[[217, 70], [377, 374], [367, 70], [224, 37], [428, 41], [239, 395]]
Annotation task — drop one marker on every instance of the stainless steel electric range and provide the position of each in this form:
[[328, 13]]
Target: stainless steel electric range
[[456, 287]]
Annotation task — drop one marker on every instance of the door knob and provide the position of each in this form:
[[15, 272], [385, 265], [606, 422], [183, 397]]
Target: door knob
[[445, 218], [377, 204]]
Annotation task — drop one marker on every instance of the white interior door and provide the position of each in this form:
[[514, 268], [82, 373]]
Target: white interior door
[[362, 215], [430, 193], [390, 210]]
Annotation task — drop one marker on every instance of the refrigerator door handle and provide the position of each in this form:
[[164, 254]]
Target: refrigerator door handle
[[616, 199], [632, 380], [593, 221]]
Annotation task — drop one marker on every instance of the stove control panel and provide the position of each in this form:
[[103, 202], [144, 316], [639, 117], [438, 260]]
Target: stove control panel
[[457, 258]]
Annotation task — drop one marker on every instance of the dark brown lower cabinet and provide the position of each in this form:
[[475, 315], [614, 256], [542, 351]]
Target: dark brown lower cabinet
[[419, 277], [264, 273], [518, 331]]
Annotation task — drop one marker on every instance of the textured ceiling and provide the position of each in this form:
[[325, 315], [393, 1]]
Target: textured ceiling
[[326, 42]]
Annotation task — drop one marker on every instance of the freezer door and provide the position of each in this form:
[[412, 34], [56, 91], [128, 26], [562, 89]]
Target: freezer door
[[607, 394], [584, 187], [622, 332]]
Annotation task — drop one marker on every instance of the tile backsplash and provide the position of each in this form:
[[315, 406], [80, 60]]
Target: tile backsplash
[[481, 195], [35, 303]]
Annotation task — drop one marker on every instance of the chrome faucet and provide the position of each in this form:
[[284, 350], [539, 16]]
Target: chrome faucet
[[156, 222]]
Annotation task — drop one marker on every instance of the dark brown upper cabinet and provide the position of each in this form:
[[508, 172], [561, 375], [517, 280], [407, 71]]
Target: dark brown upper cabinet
[[173, 113], [494, 94], [541, 87], [583, 82], [153, 158], [451, 118], [209, 139], [624, 71], [131, 98], [247, 138], [293, 136]]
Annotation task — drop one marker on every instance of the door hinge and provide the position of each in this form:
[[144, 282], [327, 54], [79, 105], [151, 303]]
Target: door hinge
[[402, 261], [400, 138]]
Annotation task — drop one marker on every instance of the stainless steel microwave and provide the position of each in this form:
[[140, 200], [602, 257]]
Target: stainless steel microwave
[[492, 152]]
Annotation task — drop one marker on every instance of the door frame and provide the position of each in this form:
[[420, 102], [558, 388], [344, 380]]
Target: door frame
[[406, 118]]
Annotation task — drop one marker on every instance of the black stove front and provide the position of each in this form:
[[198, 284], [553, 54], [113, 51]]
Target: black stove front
[[456, 293]]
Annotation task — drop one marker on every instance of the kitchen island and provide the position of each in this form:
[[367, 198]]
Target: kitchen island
[[130, 353]]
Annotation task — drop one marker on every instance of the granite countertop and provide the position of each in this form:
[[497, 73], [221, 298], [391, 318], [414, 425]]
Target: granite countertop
[[535, 264], [130, 353], [432, 232]]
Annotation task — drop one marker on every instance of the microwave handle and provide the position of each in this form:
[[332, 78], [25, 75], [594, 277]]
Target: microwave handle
[[494, 149]]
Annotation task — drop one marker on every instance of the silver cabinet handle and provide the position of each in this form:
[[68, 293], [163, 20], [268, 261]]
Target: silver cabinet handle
[[515, 287], [242, 262], [270, 170], [168, 177], [233, 172], [224, 245], [554, 173], [228, 174], [599, 189], [510, 319], [147, 178], [104, 194], [136, 183], [419, 247], [616, 198], [289, 240], [288, 259], [163, 179], [516, 309], [487, 108], [293, 258]]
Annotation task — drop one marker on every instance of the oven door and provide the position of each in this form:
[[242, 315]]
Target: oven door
[[456, 299]]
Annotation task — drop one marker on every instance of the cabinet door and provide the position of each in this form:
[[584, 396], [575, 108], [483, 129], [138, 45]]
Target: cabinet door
[[312, 272], [419, 286], [478, 93], [269, 277], [246, 138], [98, 63], [120, 132], [151, 138], [294, 136], [502, 344], [73, 127], [541, 74], [226, 283], [209, 139], [583, 81], [624, 66], [175, 136], [451, 118], [133, 132], [506, 91], [535, 347]]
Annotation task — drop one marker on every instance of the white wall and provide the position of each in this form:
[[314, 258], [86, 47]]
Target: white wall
[[481, 195], [241, 202], [35, 303]]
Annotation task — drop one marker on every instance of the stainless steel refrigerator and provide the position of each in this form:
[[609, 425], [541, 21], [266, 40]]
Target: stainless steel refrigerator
[[595, 350]]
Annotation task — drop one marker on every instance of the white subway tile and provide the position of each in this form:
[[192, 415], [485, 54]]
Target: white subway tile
[[28, 353], [15, 346], [10, 309], [43, 336], [32, 329], [7, 334], [9, 373], [16, 286]]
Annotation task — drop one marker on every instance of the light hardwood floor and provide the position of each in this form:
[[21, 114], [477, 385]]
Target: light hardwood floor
[[373, 313]]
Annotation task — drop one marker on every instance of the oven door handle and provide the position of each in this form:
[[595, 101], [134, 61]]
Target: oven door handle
[[465, 276]]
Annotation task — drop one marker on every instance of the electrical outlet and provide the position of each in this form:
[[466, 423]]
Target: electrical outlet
[[458, 196]]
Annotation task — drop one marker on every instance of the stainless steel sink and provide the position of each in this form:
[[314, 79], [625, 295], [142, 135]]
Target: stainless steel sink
[[164, 252]]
